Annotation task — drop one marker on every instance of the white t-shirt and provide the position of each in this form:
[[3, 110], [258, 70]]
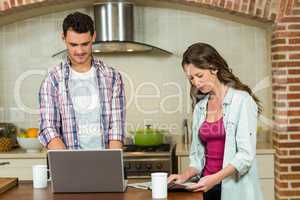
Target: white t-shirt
[[86, 103]]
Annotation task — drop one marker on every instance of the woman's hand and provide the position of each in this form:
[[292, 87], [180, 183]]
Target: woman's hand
[[208, 182], [176, 178], [205, 183]]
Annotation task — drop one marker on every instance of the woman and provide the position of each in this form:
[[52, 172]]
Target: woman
[[224, 129]]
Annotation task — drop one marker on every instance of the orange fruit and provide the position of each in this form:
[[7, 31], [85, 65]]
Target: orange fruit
[[32, 132]]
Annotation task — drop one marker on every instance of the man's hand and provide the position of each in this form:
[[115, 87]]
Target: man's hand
[[56, 143], [115, 144]]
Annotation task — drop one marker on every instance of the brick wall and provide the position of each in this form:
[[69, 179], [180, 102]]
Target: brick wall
[[286, 100], [285, 51], [265, 10]]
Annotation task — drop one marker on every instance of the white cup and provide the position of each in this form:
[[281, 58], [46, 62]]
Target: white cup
[[159, 185], [39, 176]]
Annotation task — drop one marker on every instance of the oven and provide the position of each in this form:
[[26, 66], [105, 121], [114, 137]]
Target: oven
[[140, 162]]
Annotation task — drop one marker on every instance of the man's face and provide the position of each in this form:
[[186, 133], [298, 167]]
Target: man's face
[[79, 46]]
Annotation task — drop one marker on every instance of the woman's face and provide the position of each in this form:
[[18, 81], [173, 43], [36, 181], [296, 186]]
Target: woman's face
[[204, 80]]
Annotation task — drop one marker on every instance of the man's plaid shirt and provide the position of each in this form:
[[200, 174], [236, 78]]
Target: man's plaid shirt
[[57, 115]]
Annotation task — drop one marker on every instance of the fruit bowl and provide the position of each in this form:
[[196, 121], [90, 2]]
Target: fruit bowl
[[31, 145]]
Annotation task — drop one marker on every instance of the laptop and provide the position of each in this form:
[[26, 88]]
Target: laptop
[[87, 170]]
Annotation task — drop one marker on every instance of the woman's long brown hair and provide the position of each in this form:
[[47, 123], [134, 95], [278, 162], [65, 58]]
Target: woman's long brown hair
[[204, 56]]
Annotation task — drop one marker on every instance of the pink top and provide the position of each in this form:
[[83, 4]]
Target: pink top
[[212, 136]]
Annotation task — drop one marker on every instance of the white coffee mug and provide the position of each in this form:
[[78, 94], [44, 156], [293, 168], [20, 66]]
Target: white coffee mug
[[39, 176], [159, 185]]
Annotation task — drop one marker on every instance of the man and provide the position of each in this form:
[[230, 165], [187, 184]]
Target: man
[[82, 101]]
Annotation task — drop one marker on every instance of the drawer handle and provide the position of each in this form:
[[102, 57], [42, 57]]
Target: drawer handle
[[4, 163]]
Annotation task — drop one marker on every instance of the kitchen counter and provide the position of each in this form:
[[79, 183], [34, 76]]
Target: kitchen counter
[[181, 150], [261, 148], [25, 191], [19, 153]]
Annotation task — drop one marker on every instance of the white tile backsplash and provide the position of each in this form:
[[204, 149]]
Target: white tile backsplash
[[28, 45]]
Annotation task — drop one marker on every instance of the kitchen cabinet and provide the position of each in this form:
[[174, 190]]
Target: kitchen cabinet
[[265, 163], [19, 163]]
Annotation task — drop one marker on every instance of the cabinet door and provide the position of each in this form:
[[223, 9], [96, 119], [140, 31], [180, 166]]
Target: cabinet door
[[265, 165], [267, 187], [184, 162], [20, 168]]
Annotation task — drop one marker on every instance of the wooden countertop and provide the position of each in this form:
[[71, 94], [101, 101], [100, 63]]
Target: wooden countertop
[[25, 191], [261, 148]]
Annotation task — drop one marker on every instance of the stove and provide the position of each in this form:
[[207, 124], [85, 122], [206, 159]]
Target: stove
[[140, 162]]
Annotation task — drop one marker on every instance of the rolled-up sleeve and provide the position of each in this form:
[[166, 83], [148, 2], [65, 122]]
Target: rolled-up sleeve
[[117, 120], [245, 136], [49, 112]]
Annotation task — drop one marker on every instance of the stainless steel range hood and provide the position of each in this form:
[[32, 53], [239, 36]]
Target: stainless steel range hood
[[114, 25]]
